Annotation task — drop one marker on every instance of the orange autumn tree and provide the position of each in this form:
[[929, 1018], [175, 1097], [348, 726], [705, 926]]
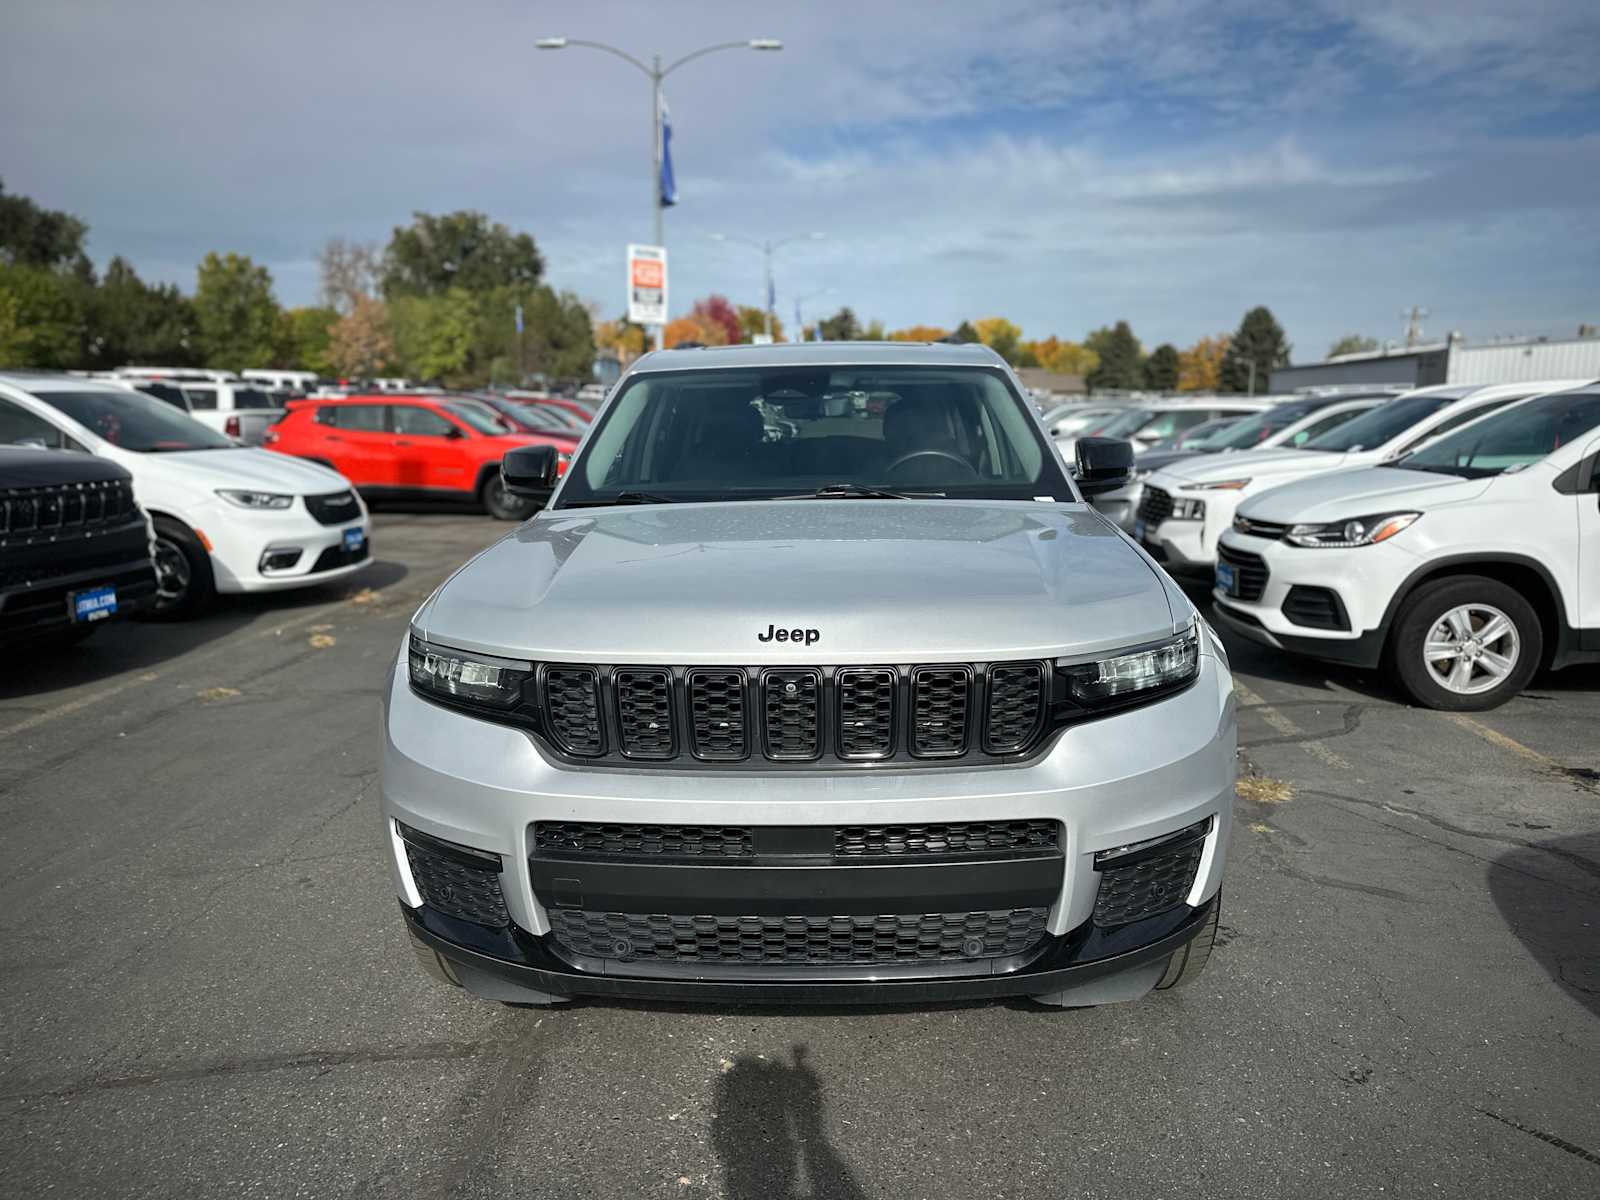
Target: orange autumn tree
[[1200, 366]]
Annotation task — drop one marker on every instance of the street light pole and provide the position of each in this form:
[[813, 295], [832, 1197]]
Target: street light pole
[[768, 248], [799, 322], [657, 73]]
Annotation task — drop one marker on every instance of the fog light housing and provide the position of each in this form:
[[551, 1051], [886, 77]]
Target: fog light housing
[[456, 880], [1146, 879], [279, 560]]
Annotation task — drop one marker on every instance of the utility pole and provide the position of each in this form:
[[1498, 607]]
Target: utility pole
[[1414, 324]]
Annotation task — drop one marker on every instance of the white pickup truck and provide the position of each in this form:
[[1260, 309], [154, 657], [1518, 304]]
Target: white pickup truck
[[240, 408]]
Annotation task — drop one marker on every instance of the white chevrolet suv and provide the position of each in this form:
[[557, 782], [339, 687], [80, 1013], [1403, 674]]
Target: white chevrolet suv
[[1463, 567], [874, 710], [226, 518], [1186, 507]]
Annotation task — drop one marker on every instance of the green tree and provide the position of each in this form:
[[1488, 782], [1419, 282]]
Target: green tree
[[1120, 362], [457, 250], [44, 317], [130, 321], [358, 342], [841, 327], [434, 336], [1001, 336], [31, 236], [1161, 368], [560, 334], [236, 315], [1260, 340], [304, 339], [753, 320], [964, 332], [1352, 343]]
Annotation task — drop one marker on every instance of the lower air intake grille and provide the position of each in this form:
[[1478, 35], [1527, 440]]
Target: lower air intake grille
[[791, 710], [453, 883], [574, 707], [716, 714], [1315, 607], [1016, 705], [909, 937], [966, 837], [1147, 886], [1250, 569], [1155, 506], [939, 711], [644, 841]]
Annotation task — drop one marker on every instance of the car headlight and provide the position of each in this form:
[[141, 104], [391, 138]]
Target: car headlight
[[1160, 666], [258, 500], [1357, 531], [1186, 508], [456, 675], [1224, 485]]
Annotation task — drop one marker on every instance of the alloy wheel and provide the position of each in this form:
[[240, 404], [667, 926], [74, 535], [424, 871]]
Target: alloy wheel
[[173, 574], [1471, 649]]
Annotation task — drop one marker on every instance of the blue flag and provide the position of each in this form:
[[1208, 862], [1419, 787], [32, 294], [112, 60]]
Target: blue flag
[[669, 185]]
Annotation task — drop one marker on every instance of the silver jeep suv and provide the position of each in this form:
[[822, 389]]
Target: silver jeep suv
[[816, 681]]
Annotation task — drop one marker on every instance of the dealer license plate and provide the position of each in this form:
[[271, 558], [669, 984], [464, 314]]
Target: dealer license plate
[[92, 604], [353, 538], [1226, 579]]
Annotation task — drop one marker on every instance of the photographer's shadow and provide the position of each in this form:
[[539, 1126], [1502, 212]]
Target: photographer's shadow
[[768, 1131]]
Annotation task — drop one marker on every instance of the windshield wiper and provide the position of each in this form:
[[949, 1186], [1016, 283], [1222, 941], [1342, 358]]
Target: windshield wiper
[[621, 498], [854, 491]]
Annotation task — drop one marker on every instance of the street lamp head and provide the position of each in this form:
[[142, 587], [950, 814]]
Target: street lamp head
[[765, 44], [551, 44]]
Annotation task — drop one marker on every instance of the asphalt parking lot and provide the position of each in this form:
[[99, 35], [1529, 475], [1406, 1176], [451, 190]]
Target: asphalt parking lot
[[206, 989]]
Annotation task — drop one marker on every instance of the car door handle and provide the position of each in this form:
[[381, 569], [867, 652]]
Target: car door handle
[[402, 442], [334, 437]]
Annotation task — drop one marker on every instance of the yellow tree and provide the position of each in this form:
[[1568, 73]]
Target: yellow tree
[[919, 333], [693, 328], [622, 338], [359, 343], [1000, 335], [1066, 358], [1200, 366]]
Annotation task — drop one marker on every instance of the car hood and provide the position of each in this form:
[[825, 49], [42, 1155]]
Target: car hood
[[1368, 492], [246, 469], [887, 581], [1254, 464], [1160, 460]]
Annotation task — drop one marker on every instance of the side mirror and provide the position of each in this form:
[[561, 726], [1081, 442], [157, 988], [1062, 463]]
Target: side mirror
[[1104, 464], [454, 434], [529, 470]]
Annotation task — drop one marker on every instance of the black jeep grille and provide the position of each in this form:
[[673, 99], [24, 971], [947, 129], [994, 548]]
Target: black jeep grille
[[905, 937], [65, 508], [334, 508], [866, 713], [716, 714], [644, 713], [1016, 706], [572, 702], [1025, 838], [792, 714], [939, 711], [1155, 506]]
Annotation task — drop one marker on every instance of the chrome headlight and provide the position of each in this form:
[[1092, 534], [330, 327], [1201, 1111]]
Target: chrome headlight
[[1159, 666], [465, 677], [256, 500], [1357, 531], [1224, 485]]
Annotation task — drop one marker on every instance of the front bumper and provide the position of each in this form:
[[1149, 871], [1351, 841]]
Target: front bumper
[[1125, 778], [242, 542]]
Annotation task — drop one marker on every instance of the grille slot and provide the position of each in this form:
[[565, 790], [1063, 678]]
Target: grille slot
[[939, 711], [65, 508], [644, 841], [962, 837], [1250, 568], [908, 937], [1155, 506], [572, 702], [792, 722], [334, 508], [1148, 886], [1016, 706], [866, 713], [644, 713], [717, 714]]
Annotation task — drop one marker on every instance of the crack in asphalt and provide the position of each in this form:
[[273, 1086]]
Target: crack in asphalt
[[262, 1064], [1352, 721], [1550, 1138]]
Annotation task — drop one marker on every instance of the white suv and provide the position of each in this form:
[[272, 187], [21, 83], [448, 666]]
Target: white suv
[[1186, 507], [1147, 423], [226, 518], [1463, 566]]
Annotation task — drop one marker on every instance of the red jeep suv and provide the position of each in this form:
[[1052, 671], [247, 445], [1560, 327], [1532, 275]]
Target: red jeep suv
[[398, 447]]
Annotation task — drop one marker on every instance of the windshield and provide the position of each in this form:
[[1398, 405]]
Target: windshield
[[1252, 431], [1124, 423], [1510, 439], [479, 416], [1372, 429], [253, 398], [135, 421], [758, 434]]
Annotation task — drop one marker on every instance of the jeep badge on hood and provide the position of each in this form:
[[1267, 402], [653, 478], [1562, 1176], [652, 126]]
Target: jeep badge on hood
[[774, 634]]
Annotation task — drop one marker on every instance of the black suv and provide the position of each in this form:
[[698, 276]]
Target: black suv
[[74, 547]]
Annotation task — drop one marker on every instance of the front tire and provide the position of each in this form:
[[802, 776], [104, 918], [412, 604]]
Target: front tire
[[1465, 644], [501, 504], [1187, 963], [185, 584]]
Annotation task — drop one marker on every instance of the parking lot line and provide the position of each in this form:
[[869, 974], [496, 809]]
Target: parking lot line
[[1496, 738], [1273, 717]]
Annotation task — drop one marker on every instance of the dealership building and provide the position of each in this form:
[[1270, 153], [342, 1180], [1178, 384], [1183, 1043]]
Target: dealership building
[[1452, 361]]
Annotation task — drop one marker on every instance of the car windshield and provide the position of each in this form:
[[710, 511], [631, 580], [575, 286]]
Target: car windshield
[[1372, 429], [759, 434], [1511, 439], [1252, 431], [1124, 423], [479, 416], [134, 421], [253, 398]]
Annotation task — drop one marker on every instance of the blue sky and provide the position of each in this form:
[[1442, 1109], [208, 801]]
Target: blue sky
[[1166, 162]]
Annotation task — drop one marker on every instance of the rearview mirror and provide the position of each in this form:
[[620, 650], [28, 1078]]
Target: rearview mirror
[[529, 470], [1104, 464]]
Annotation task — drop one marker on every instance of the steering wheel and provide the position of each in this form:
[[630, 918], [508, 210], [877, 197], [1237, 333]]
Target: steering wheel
[[946, 455]]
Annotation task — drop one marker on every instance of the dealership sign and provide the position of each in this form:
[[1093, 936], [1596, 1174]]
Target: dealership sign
[[647, 285]]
